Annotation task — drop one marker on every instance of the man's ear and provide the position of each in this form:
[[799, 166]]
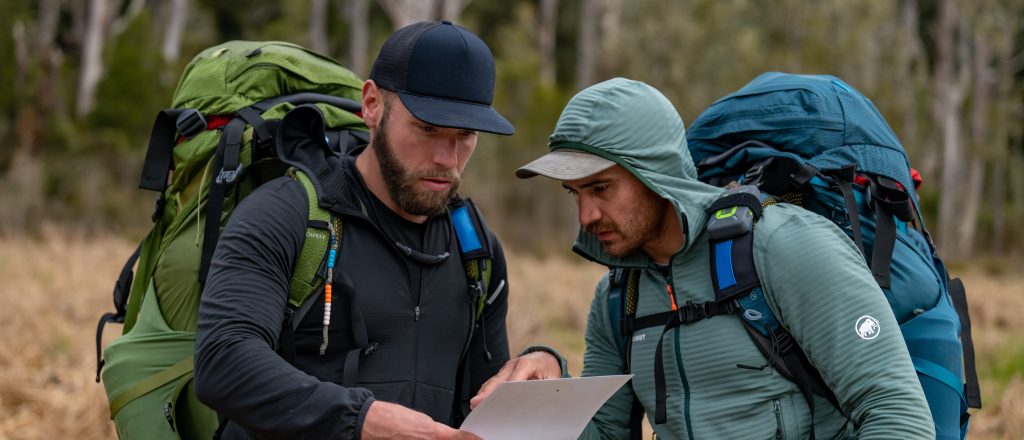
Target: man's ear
[[373, 104]]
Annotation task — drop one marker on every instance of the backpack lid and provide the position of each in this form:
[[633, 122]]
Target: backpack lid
[[819, 118], [229, 76]]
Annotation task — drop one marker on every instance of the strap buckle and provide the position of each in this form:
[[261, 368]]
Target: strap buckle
[[158, 208], [371, 348], [692, 312], [190, 123], [228, 176]]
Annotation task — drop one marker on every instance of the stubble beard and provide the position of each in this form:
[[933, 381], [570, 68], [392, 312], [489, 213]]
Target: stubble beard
[[643, 225], [401, 183]]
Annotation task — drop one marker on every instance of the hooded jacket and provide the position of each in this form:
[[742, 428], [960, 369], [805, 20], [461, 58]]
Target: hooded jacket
[[813, 278]]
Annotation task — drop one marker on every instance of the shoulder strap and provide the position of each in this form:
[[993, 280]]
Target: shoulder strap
[[308, 275], [734, 277], [730, 228], [623, 292], [476, 250], [310, 272]]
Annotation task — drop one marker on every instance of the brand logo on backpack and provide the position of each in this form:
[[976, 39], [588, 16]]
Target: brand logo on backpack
[[316, 235], [867, 327]]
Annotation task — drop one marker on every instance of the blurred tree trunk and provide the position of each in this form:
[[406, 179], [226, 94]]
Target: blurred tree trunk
[[611, 36], [546, 41], [318, 26], [405, 12], [79, 11], [37, 68], [118, 23], [981, 148], [587, 42], [452, 9], [912, 62], [91, 70], [951, 78], [357, 14], [102, 23], [176, 18], [980, 122]]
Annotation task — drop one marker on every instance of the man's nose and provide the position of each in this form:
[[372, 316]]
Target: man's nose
[[589, 211], [446, 152]]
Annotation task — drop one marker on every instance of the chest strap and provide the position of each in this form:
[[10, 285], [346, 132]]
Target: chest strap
[[689, 313]]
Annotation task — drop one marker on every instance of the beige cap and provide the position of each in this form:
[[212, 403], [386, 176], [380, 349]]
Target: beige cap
[[565, 164]]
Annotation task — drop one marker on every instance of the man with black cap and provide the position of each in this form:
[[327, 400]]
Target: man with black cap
[[398, 270]]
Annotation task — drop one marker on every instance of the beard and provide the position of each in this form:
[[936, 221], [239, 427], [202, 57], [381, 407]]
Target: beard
[[401, 183], [642, 225]]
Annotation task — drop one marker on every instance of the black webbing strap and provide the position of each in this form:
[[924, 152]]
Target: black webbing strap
[[888, 201], [802, 379], [460, 404], [624, 291], [122, 288], [228, 158], [363, 346], [844, 179], [972, 390], [804, 175], [723, 157], [259, 125], [881, 253], [636, 418], [689, 313], [159, 154]]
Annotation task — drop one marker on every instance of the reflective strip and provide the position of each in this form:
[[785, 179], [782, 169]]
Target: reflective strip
[[723, 265]]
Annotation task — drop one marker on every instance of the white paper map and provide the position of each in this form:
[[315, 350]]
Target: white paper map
[[555, 409]]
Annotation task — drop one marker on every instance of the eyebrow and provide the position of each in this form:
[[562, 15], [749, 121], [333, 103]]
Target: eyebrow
[[589, 184]]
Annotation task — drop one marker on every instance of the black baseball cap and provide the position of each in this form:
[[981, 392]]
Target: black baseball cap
[[443, 74]]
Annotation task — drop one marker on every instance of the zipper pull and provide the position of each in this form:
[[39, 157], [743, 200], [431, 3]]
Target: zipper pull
[[671, 296], [417, 317]]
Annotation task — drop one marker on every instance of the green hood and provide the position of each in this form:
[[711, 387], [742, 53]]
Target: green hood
[[635, 126]]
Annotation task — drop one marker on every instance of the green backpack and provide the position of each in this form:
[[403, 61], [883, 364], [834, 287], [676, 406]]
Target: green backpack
[[209, 151]]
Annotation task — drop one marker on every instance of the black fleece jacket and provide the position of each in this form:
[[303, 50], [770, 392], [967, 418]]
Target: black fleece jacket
[[420, 314]]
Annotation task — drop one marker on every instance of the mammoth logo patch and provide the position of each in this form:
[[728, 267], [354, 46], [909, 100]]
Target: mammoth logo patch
[[867, 327]]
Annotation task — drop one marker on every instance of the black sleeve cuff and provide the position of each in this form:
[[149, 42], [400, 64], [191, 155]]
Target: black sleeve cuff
[[562, 364], [362, 417]]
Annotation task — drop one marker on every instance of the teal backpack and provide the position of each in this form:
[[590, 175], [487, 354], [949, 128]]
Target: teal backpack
[[814, 141], [211, 149]]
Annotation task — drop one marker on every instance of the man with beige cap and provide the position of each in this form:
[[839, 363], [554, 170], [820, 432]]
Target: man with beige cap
[[619, 148]]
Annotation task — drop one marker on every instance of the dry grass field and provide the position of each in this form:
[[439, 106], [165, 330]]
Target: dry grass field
[[53, 290]]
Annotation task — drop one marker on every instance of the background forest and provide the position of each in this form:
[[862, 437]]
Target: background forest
[[81, 81]]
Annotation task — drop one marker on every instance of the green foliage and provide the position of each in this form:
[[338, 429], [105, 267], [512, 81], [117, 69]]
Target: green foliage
[[533, 108], [132, 92], [694, 51], [1003, 365]]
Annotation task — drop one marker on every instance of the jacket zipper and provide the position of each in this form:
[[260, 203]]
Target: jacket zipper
[[779, 426], [679, 358]]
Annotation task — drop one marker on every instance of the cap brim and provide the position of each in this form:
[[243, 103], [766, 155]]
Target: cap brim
[[565, 165], [456, 114]]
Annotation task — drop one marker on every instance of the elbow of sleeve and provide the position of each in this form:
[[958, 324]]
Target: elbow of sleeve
[[203, 384]]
